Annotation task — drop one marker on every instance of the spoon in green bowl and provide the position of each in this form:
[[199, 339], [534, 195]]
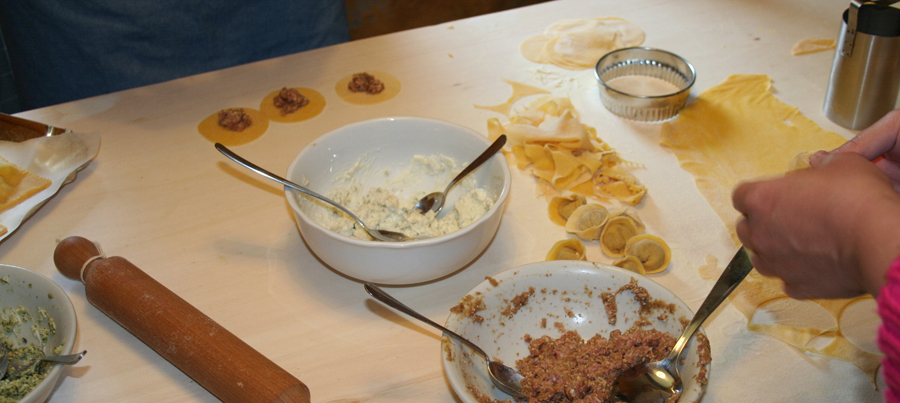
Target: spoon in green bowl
[[14, 367], [435, 201], [22, 367], [377, 234]]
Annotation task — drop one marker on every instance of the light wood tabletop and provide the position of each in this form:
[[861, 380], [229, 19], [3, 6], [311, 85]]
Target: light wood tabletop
[[223, 239]]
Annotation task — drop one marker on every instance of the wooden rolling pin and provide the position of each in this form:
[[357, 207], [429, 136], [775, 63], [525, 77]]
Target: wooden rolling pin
[[201, 348]]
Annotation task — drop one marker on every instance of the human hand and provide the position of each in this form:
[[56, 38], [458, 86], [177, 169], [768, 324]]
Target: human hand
[[828, 232], [879, 143]]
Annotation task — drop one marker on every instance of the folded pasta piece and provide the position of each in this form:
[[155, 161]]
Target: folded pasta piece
[[546, 136], [18, 184]]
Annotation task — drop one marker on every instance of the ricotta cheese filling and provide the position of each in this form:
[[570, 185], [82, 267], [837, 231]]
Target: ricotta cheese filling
[[386, 207]]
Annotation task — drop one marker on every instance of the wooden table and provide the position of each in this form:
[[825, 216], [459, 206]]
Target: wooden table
[[161, 196]]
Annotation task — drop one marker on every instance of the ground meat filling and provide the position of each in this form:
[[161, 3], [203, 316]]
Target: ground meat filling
[[234, 119], [289, 100], [469, 307], [518, 302], [570, 369], [365, 82]]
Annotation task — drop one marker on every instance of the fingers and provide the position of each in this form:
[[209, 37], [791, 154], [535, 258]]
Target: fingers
[[739, 196], [876, 140], [816, 159]]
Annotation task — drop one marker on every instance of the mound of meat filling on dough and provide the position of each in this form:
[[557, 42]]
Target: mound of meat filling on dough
[[234, 119], [365, 82], [571, 369], [289, 100]]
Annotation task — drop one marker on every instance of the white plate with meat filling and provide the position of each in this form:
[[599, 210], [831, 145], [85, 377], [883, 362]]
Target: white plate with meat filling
[[509, 311]]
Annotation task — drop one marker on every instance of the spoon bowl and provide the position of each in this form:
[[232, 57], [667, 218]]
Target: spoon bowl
[[655, 382], [505, 378], [377, 234], [435, 201]]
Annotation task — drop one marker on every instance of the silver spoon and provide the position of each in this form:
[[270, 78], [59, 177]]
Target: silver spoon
[[505, 378], [19, 368], [435, 201], [378, 234], [657, 381]]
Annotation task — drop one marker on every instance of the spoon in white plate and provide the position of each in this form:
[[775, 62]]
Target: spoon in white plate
[[435, 201], [377, 234], [656, 382], [505, 378]]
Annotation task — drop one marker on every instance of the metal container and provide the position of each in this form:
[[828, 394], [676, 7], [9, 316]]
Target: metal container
[[865, 76], [644, 62]]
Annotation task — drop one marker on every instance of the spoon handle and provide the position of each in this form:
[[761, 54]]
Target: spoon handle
[[262, 171], [255, 168], [495, 146], [734, 273], [67, 359], [382, 296]]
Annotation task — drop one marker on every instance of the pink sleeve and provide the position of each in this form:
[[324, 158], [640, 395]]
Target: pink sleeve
[[889, 332]]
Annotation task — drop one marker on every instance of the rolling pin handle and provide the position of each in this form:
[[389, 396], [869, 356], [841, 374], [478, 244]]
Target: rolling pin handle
[[72, 254], [198, 346]]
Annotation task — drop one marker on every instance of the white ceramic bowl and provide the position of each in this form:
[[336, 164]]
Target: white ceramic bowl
[[31, 290], [390, 144], [560, 286]]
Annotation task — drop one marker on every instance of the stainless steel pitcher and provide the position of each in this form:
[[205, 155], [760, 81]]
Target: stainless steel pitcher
[[865, 76]]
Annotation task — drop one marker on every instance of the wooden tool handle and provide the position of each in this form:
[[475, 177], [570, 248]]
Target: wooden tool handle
[[211, 355]]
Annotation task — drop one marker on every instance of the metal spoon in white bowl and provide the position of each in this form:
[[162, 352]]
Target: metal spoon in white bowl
[[505, 378], [435, 201], [657, 381], [22, 367], [377, 234]]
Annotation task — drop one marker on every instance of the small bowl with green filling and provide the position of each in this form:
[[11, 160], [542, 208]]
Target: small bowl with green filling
[[36, 319]]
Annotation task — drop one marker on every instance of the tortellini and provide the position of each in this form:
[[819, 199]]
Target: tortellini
[[616, 233], [587, 221], [620, 234], [561, 207], [630, 263], [567, 249], [651, 250]]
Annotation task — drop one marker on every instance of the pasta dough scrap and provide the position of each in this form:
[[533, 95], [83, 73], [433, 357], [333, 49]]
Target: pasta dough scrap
[[742, 114], [546, 136], [812, 45], [577, 44], [18, 184], [739, 114], [519, 91]]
